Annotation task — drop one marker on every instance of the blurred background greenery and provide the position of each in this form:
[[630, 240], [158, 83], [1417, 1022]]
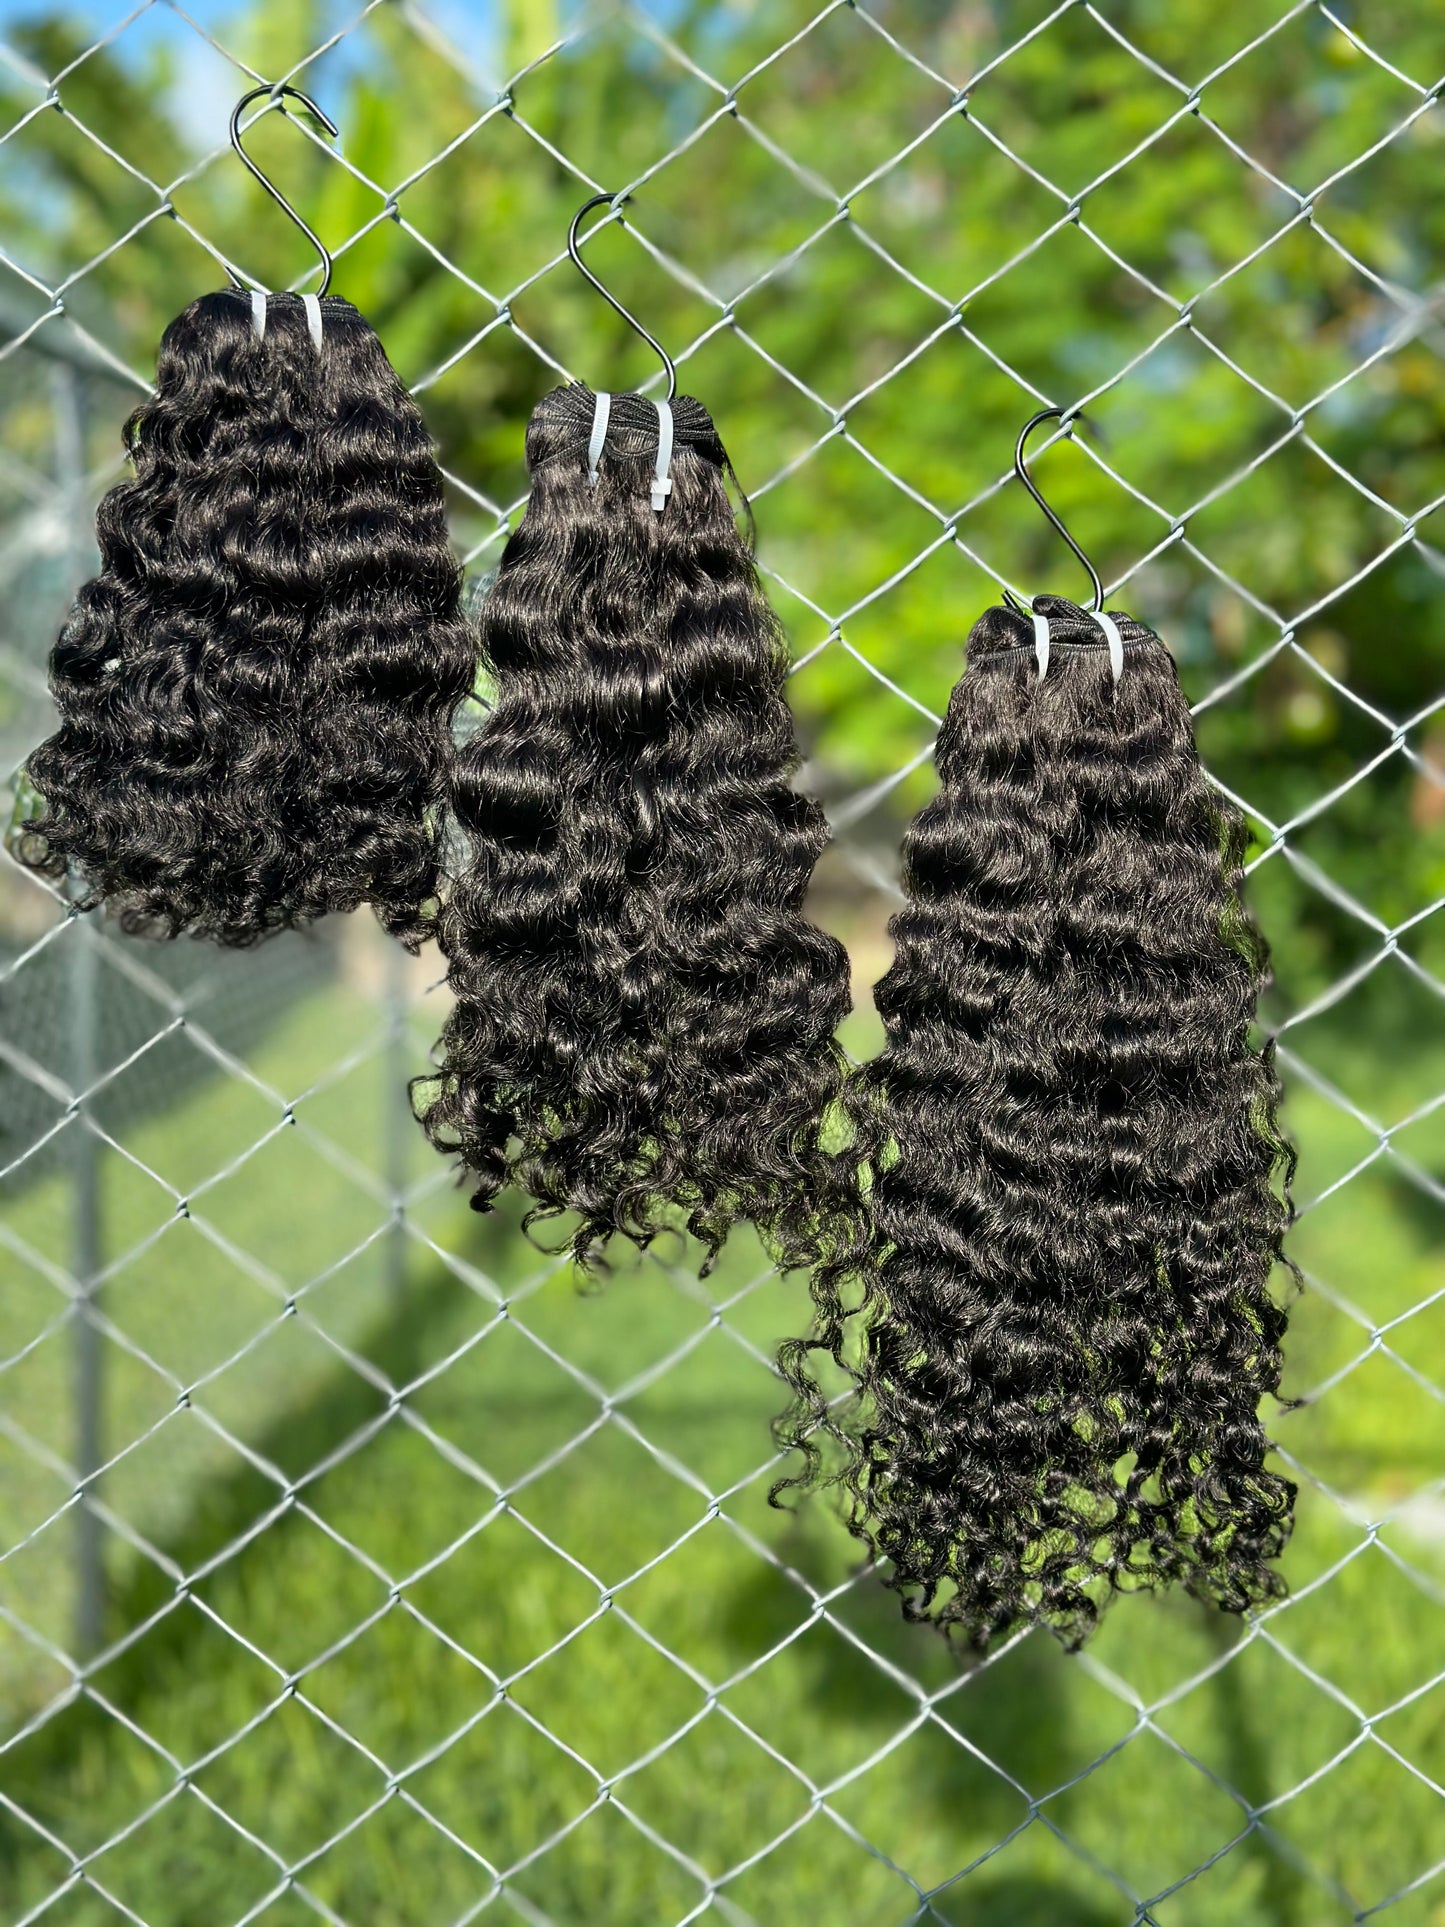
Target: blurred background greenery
[[528, 1639]]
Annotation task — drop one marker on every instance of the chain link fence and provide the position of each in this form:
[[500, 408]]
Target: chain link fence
[[353, 1564]]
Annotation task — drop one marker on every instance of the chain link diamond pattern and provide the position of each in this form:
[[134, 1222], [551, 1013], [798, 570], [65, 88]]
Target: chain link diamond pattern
[[169, 1335]]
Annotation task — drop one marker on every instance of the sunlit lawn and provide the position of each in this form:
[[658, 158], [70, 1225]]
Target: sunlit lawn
[[536, 1635]]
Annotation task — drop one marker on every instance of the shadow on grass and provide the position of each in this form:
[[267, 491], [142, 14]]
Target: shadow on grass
[[932, 1800]]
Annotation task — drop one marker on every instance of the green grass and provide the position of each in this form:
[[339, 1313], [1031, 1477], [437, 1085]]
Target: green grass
[[548, 1603], [276, 1204]]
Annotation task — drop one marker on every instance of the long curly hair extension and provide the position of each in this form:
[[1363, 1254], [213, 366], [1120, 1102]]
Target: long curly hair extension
[[644, 1023], [256, 691], [1070, 1325]]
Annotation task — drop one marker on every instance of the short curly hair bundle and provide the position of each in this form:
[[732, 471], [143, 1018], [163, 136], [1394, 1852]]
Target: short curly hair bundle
[[256, 692], [644, 1024], [1070, 1324]]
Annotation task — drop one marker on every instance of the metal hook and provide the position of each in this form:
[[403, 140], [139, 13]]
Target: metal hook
[[276, 99], [1044, 415], [611, 299]]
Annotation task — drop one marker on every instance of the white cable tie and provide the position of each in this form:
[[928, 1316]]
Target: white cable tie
[[258, 312], [312, 304], [1116, 641], [1041, 642], [661, 480], [601, 415]]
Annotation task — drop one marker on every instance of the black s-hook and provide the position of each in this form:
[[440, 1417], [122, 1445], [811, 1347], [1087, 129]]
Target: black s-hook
[[1044, 415], [611, 299], [276, 97]]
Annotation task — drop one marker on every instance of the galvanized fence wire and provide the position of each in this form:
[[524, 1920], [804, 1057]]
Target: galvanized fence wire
[[69, 1097]]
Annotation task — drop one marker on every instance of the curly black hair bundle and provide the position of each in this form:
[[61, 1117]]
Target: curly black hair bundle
[[1069, 1324], [643, 1031], [256, 691], [1043, 1225]]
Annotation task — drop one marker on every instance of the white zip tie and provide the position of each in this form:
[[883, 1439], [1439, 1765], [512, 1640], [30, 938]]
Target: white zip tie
[[601, 415], [1041, 642], [661, 480], [258, 312], [1116, 641], [312, 304]]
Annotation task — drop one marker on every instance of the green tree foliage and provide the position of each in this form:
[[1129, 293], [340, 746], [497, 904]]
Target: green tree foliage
[[872, 269]]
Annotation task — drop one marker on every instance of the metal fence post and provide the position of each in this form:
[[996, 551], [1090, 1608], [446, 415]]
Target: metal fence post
[[396, 1120], [85, 1262], [68, 394]]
